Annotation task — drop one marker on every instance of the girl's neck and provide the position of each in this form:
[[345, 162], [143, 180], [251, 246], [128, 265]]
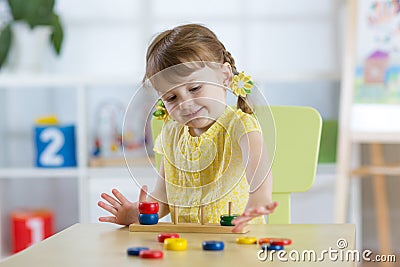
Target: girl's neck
[[198, 131]]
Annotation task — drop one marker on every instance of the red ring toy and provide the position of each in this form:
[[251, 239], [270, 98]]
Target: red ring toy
[[148, 207], [275, 241], [162, 236], [151, 254]]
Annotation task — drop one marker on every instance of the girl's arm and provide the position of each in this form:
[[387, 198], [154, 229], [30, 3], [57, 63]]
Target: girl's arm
[[159, 193], [259, 177], [125, 212]]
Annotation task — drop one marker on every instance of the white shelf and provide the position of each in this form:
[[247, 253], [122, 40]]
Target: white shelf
[[49, 80], [11, 173], [375, 137], [116, 172], [92, 173]]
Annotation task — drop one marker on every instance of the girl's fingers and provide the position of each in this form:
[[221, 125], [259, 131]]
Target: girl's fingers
[[237, 229], [143, 193], [264, 210], [107, 207], [241, 219], [249, 212], [122, 199], [109, 219], [245, 220], [255, 213], [111, 200], [240, 225], [258, 212], [272, 206]]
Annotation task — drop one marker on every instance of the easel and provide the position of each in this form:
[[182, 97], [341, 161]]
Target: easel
[[349, 137]]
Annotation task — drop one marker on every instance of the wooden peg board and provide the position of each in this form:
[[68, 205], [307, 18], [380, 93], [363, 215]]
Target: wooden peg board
[[184, 228]]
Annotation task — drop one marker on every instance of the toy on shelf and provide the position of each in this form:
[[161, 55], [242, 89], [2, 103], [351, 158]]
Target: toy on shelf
[[177, 227], [30, 226], [54, 143], [108, 130], [112, 140]]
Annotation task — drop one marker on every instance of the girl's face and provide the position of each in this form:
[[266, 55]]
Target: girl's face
[[200, 100]]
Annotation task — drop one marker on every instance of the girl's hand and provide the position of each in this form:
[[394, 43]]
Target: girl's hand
[[241, 221], [124, 211]]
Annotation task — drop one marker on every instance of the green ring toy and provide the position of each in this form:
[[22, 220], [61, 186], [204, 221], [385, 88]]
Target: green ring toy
[[226, 220]]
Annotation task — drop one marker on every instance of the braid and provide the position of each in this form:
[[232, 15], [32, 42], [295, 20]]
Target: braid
[[228, 58], [241, 102]]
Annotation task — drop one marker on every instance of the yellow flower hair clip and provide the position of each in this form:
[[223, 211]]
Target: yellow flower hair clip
[[242, 84], [161, 112]]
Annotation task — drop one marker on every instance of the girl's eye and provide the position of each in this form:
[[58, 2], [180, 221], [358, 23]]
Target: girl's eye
[[170, 99], [194, 89]]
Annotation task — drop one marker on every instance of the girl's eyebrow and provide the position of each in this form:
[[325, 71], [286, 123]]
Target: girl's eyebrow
[[169, 92]]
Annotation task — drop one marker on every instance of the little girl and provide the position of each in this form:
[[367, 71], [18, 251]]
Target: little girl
[[212, 154]]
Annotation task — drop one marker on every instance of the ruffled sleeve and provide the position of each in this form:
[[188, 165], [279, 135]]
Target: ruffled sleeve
[[245, 123], [164, 141], [158, 146]]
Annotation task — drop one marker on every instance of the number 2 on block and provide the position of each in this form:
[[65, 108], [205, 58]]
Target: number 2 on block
[[49, 155]]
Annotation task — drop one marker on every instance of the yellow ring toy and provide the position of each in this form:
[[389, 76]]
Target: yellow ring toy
[[177, 244], [246, 240]]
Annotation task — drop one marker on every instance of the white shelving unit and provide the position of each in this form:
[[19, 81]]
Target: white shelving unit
[[83, 172]]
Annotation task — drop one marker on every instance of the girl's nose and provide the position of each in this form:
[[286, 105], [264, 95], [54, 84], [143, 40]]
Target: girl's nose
[[186, 103]]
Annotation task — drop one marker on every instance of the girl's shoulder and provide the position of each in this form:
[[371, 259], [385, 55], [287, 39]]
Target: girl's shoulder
[[171, 125], [243, 123], [243, 114], [244, 117], [234, 117]]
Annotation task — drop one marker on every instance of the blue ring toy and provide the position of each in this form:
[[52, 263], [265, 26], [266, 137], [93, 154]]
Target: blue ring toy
[[271, 247], [213, 245], [134, 251], [148, 219]]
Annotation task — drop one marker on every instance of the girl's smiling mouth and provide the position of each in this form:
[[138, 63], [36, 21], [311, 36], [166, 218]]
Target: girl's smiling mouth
[[194, 114]]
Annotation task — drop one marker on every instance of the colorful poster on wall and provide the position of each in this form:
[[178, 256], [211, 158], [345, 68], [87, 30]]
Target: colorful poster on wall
[[377, 75]]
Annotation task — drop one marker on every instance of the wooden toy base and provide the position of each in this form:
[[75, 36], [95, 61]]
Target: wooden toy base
[[184, 228]]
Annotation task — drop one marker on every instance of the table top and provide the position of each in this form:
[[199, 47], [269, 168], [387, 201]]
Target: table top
[[101, 244]]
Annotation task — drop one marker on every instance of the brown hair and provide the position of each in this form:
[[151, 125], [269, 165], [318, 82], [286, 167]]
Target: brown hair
[[188, 43]]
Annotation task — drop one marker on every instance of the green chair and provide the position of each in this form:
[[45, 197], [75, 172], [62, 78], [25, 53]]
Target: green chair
[[298, 131]]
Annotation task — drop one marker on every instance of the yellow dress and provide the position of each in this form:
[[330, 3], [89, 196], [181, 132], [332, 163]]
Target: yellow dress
[[208, 169]]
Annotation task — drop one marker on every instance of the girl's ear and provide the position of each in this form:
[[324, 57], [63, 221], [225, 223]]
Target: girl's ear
[[227, 74]]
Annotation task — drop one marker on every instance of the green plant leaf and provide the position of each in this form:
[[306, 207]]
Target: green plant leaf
[[33, 12], [57, 35], [5, 43], [18, 8], [39, 12]]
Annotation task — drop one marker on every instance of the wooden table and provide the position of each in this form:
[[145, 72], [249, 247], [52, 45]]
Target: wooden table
[[106, 244]]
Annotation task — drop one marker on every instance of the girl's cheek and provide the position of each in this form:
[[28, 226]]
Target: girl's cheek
[[170, 108], [172, 111]]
